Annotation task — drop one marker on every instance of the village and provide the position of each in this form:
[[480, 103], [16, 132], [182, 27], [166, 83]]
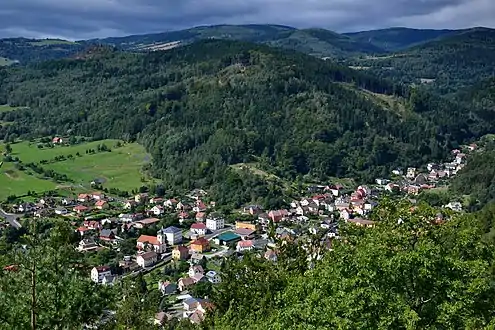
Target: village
[[179, 243]]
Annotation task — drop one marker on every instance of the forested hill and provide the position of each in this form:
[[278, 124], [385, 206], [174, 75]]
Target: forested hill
[[446, 64], [202, 107]]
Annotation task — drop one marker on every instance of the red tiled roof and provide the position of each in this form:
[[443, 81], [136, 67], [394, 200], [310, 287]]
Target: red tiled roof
[[245, 244], [80, 208], [102, 269], [148, 221], [100, 203], [198, 226], [201, 241], [153, 240]]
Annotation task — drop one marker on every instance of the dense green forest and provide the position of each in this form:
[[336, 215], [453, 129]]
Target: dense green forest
[[448, 64], [410, 274], [200, 108]]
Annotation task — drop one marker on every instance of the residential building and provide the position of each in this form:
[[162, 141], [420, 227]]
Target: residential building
[[61, 211], [109, 280], [86, 245], [245, 225], [199, 229], [411, 173], [167, 287], [362, 222], [213, 277], [81, 209], [184, 283], [245, 233], [245, 246], [157, 210], [98, 273], [147, 259], [108, 234], [98, 196], [154, 243], [200, 245], [180, 252], [196, 269], [172, 235], [140, 224], [215, 224]]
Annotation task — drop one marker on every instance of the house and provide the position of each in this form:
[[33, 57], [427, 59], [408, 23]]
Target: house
[[200, 245], [270, 255], [342, 204], [200, 216], [397, 171], [180, 252], [196, 269], [154, 242], [183, 216], [130, 217], [390, 187], [170, 203], [184, 283], [87, 245], [108, 234], [345, 214], [147, 259], [157, 210], [82, 230], [156, 200], [98, 196], [454, 206], [198, 228], [411, 173], [140, 224], [382, 182], [109, 280], [98, 273], [278, 215], [215, 224], [252, 209], [79, 209], [421, 179], [245, 233], [172, 234], [459, 158], [199, 207], [83, 198], [100, 205], [57, 140], [472, 147], [92, 224], [61, 211], [167, 287], [244, 246], [213, 277], [67, 201], [246, 225], [141, 198], [161, 318], [227, 238], [129, 204]]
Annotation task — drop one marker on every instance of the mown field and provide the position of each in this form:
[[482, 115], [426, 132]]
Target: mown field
[[15, 182], [5, 61], [120, 168]]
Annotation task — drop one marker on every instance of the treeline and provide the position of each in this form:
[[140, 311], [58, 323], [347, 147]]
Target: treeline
[[200, 108]]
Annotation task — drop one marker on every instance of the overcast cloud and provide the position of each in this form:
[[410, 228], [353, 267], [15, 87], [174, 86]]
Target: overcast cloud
[[84, 19]]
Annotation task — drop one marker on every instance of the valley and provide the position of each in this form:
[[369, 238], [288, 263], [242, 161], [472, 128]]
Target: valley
[[248, 177]]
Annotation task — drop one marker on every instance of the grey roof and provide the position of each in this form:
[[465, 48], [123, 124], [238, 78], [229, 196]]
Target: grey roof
[[170, 230]]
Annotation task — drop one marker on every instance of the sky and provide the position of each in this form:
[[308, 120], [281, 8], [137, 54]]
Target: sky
[[87, 19]]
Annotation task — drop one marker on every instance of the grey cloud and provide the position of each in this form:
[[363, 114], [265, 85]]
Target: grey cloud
[[80, 19]]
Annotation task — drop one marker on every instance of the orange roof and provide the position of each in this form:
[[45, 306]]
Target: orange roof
[[100, 203], [153, 240], [201, 241]]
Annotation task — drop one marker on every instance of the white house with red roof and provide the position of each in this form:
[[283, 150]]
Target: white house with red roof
[[199, 229], [200, 206], [245, 246], [152, 242]]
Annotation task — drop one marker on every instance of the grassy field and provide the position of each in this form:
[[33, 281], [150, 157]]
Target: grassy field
[[120, 168], [47, 42], [5, 61], [6, 107], [15, 182]]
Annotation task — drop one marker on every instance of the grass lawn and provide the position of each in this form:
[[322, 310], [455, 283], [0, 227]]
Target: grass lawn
[[14, 182], [6, 107], [120, 168]]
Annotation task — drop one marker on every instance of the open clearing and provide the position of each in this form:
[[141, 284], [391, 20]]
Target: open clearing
[[47, 42], [6, 107], [5, 61], [15, 182], [120, 168]]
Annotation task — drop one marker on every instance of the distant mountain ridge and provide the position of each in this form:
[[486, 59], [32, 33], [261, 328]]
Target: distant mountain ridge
[[313, 41]]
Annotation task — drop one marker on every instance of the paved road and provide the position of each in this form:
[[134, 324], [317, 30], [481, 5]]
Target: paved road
[[11, 218]]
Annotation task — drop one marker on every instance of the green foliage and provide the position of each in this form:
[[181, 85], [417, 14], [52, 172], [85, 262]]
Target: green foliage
[[399, 275], [46, 289]]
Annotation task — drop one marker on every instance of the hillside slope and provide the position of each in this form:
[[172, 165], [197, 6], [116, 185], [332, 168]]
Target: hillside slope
[[317, 42], [202, 107], [447, 64], [394, 39]]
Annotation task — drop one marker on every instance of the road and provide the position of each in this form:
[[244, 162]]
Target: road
[[11, 218]]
